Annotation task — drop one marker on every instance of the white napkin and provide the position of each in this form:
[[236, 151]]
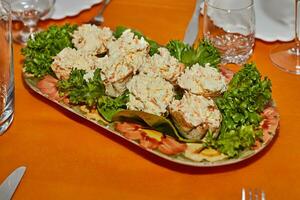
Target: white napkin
[[274, 21]]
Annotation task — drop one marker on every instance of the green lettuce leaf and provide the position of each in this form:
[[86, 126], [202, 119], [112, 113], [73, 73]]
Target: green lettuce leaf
[[108, 106], [156, 122]]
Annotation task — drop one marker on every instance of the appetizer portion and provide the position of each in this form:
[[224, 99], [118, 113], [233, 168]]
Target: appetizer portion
[[195, 115], [150, 94], [203, 80], [64, 62], [125, 56]]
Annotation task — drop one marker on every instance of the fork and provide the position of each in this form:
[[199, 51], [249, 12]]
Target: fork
[[99, 19], [253, 195]]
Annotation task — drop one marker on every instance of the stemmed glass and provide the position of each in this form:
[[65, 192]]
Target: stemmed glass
[[287, 56], [29, 12]]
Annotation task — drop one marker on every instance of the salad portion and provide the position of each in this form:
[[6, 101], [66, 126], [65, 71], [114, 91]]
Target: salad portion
[[174, 100]]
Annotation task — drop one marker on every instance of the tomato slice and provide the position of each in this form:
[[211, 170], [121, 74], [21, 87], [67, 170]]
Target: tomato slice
[[270, 122], [227, 73], [170, 146], [149, 143], [130, 130], [48, 86], [167, 145]]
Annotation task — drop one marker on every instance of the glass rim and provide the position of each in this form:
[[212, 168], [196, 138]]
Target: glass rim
[[250, 5]]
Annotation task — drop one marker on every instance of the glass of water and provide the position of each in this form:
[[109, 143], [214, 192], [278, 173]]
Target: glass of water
[[6, 67], [29, 12], [230, 26]]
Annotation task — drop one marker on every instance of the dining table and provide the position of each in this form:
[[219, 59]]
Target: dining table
[[67, 157]]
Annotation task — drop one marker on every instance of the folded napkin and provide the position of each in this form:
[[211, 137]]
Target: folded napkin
[[275, 19]]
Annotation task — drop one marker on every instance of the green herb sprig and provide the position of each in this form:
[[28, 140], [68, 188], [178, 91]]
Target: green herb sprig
[[202, 54]]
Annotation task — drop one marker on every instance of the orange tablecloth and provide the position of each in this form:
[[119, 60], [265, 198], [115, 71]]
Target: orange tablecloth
[[68, 158]]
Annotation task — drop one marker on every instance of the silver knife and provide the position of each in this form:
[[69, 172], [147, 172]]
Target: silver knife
[[193, 27], [10, 184]]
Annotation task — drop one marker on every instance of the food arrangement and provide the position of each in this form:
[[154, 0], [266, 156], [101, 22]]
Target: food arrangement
[[173, 100]]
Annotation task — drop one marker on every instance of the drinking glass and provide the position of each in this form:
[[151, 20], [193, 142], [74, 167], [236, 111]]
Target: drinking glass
[[230, 26], [287, 56], [6, 67], [29, 12]]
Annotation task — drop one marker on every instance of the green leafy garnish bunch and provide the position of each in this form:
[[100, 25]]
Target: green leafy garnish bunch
[[203, 53], [91, 93], [81, 91], [46, 44], [241, 105]]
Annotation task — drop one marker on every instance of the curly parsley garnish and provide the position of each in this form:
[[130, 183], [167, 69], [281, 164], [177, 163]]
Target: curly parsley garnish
[[81, 91], [46, 44], [241, 105]]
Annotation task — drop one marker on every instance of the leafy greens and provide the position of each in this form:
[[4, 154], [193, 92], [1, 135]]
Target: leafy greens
[[108, 106], [46, 44], [241, 105], [81, 91]]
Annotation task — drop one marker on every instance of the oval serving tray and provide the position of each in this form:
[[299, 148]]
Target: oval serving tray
[[179, 158]]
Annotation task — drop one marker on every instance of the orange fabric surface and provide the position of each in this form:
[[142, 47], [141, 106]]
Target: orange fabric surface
[[69, 158]]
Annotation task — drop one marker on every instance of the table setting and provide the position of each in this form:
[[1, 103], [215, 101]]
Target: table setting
[[199, 95]]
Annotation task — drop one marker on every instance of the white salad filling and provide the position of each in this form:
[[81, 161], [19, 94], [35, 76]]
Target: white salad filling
[[88, 75], [165, 65], [150, 94], [202, 80]]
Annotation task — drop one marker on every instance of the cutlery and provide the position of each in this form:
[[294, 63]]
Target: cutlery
[[193, 27], [255, 195], [99, 19], [9, 185]]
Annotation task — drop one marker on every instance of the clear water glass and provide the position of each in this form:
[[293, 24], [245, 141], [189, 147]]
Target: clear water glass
[[230, 26], [29, 12], [6, 68]]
